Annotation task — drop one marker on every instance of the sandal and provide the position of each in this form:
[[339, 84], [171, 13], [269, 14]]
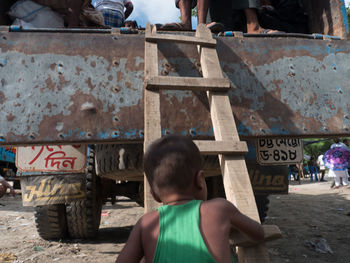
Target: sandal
[[174, 27], [216, 27], [270, 31]]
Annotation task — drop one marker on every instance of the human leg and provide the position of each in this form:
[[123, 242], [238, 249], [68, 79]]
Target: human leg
[[253, 25], [112, 18], [185, 11], [202, 10], [345, 178], [250, 11], [337, 180], [74, 10]]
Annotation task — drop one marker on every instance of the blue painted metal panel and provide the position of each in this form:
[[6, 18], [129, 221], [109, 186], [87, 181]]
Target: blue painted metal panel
[[7, 155], [88, 87]]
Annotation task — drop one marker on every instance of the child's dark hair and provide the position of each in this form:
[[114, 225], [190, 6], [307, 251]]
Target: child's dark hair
[[171, 162]]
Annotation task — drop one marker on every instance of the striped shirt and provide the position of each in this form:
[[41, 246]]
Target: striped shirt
[[117, 5]]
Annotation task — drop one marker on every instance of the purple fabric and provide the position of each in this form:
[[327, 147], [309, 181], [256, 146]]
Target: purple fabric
[[337, 158]]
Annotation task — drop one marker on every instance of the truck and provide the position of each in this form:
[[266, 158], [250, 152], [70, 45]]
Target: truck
[[72, 102], [8, 167]]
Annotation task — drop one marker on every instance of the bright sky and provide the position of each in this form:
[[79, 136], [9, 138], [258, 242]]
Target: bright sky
[[347, 2], [154, 11]]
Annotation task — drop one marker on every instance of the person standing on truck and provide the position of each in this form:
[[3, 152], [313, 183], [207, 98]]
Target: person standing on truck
[[187, 228], [186, 7], [3, 187], [113, 11], [223, 11]]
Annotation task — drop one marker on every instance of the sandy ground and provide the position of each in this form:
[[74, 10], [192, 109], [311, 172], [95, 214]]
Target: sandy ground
[[310, 213]]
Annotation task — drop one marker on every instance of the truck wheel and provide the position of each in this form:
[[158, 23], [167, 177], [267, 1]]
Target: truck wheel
[[51, 221], [216, 189], [119, 159], [84, 216], [262, 203]]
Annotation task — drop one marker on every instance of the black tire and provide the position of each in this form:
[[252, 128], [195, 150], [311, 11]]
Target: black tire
[[262, 203], [84, 216], [50, 221], [17, 184], [121, 159], [125, 160]]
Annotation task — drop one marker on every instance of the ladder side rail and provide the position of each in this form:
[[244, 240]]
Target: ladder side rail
[[236, 180], [152, 117]]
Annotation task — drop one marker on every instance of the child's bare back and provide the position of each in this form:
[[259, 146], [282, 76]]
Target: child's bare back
[[187, 228]]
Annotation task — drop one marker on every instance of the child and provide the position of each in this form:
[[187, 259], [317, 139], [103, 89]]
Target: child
[[187, 228]]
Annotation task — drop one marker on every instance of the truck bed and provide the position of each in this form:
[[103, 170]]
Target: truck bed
[[88, 87]]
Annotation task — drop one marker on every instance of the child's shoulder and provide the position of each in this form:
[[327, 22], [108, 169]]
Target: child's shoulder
[[147, 220], [219, 205]]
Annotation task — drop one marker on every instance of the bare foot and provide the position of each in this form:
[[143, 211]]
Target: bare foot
[[260, 30]]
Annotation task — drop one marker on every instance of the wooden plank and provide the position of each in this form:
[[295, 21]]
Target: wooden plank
[[181, 39], [271, 232], [222, 147], [236, 180], [187, 83], [151, 110]]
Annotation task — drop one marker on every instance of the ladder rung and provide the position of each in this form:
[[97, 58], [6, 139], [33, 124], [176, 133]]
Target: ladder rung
[[187, 83], [181, 39], [221, 147], [271, 232]]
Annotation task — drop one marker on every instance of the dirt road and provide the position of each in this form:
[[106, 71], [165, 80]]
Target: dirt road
[[310, 213]]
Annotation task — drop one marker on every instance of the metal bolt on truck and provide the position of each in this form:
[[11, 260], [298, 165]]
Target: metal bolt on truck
[[72, 100]]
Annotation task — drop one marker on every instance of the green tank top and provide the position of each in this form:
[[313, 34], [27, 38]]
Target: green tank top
[[180, 239]]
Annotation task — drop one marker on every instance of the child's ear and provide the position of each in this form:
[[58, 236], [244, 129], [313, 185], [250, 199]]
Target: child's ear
[[199, 179], [155, 196]]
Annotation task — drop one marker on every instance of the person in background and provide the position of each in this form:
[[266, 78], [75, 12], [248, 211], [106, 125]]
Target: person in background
[[338, 143], [293, 170], [339, 176], [3, 187], [346, 142], [321, 167], [113, 11], [312, 168], [187, 228]]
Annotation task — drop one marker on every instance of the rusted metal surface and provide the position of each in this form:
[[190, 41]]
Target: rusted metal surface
[[65, 88]]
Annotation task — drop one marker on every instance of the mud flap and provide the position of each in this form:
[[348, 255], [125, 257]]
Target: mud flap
[[53, 189]]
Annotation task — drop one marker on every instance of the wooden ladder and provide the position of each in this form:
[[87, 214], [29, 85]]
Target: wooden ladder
[[226, 145]]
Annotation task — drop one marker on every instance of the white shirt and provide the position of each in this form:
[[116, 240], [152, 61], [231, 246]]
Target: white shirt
[[320, 162], [339, 144], [117, 5], [2, 178]]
